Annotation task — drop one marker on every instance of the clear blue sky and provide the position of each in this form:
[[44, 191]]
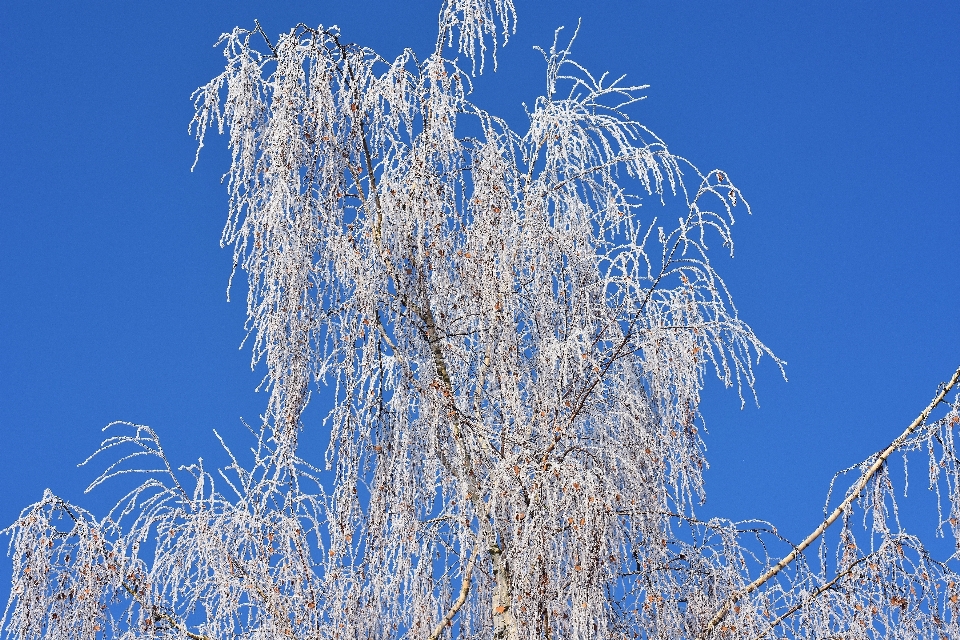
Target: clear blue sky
[[839, 121]]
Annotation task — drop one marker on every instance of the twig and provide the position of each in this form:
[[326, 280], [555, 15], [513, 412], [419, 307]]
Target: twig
[[265, 37]]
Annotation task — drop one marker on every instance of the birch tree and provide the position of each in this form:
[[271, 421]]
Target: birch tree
[[515, 327]]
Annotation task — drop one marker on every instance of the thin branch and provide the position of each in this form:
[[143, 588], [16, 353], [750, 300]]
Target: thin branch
[[265, 37], [826, 587], [464, 591], [157, 614]]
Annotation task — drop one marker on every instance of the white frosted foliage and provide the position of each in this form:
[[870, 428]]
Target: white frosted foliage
[[514, 327]]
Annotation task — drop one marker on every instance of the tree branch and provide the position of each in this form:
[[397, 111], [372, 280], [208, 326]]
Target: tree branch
[[851, 496], [825, 587], [464, 590], [157, 614]]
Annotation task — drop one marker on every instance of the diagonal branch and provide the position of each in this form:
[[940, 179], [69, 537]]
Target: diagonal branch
[[854, 493], [824, 587], [157, 614], [464, 590]]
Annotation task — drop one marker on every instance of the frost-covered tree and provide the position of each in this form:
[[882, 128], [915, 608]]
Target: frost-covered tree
[[515, 327]]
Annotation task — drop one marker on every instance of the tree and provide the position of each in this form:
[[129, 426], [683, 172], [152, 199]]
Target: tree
[[517, 350]]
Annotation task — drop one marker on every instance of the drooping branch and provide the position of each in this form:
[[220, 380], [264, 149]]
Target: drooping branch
[[852, 495]]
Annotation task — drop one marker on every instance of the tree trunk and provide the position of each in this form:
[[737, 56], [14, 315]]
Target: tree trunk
[[504, 622]]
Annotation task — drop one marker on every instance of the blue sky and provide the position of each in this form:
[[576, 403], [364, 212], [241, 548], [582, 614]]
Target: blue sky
[[839, 121]]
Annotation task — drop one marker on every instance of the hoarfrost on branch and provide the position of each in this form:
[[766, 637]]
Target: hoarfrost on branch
[[516, 326]]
